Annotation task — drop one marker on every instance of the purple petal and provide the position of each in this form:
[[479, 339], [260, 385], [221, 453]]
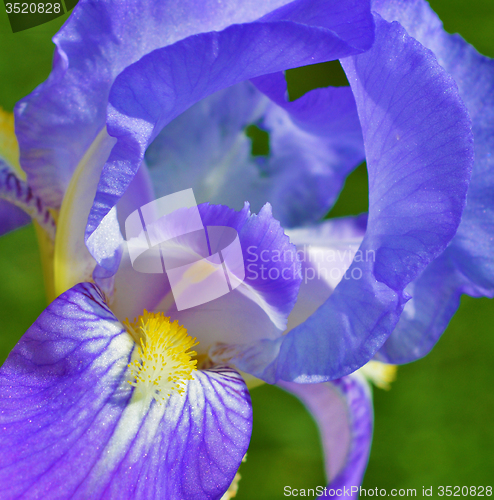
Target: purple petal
[[419, 153], [198, 446], [329, 143], [257, 308], [139, 193], [72, 428], [467, 265], [416, 196], [472, 247], [343, 411], [59, 393], [57, 123], [160, 86], [309, 154], [261, 238]]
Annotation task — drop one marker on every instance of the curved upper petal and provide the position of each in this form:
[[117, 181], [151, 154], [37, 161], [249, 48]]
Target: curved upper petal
[[467, 265], [419, 150], [72, 426], [148, 94], [472, 248], [419, 156], [343, 411], [57, 122]]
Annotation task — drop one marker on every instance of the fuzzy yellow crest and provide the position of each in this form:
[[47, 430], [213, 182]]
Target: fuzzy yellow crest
[[164, 362]]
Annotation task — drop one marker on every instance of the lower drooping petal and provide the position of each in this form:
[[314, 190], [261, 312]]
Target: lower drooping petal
[[343, 412], [467, 265], [71, 425]]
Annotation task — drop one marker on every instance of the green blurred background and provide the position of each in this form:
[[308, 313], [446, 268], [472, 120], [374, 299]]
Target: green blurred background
[[434, 427]]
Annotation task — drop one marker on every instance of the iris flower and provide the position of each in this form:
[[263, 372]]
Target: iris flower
[[148, 98]]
